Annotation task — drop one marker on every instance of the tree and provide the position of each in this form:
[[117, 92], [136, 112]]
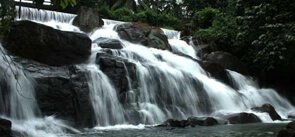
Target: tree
[[267, 32], [7, 14]]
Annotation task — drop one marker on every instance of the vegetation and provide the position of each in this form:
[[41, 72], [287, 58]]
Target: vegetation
[[262, 33]]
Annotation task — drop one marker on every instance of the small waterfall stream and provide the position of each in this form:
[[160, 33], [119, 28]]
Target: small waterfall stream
[[170, 86], [18, 103]]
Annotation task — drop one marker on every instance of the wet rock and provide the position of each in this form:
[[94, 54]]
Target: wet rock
[[47, 45], [242, 118], [62, 92], [289, 131], [291, 125], [200, 45], [217, 71], [175, 123], [143, 34], [108, 43], [202, 121], [291, 117], [268, 108], [119, 70], [227, 61], [88, 19], [5, 128]]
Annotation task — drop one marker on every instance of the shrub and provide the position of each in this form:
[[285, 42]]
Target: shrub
[[123, 14], [204, 18]]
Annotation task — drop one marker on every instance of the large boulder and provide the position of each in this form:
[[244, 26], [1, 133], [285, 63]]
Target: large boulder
[[88, 19], [242, 118], [63, 92], [289, 131], [140, 33], [217, 71], [175, 123], [108, 43], [47, 45], [227, 61], [5, 128], [202, 121], [192, 121], [268, 108], [120, 71]]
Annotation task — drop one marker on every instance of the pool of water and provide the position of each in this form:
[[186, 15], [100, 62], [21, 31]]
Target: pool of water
[[245, 130]]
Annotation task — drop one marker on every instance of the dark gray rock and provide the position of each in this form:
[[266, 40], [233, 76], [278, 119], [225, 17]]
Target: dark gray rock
[[242, 118], [217, 71], [47, 45], [291, 125], [63, 92], [118, 70], [268, 108], [108, 43], [88, 19], [202, 46], [227, 61], [175, 123], [5, 128], [202, 121], [143, 34], [192, 121], [289, 131]]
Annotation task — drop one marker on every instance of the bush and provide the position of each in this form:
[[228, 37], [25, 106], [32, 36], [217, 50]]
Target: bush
[[222, 34], [204, 18], [7, 14], [123, 14], [167, 20], [154, 19], [105, 12]]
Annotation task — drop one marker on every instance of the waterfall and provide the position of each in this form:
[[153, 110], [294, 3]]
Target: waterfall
[[44, 15], [18, 103], [17, 90], [254, 96], [170, 85], [108, 110]]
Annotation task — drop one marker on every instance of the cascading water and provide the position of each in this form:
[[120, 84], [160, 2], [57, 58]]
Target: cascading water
[[253, 96], [108, 110], [17, 94], [173, 86], [18, 103], [170, 85]]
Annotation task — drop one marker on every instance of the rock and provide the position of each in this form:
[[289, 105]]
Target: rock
[[242, 118], [227, 61], [108, 43], [143, 34], [62, 92], [289, 131], [5, 128], [282, 79], [268, 108], [47, 45], [291, 117], [117, 69], [175, 123], [291, 125], [217, 71], [202, 121], [88, 19], [200, 45], [286, 133]]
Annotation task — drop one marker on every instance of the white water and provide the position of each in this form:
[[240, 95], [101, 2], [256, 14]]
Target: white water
[[171, 86], [18, 103]]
